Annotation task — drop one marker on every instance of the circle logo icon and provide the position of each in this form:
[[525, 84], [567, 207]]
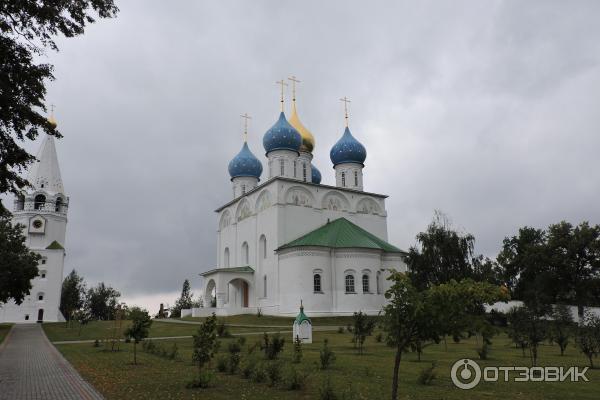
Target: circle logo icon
[[465, 374]]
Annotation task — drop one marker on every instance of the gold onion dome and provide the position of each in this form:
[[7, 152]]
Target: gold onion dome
[[308, 140]]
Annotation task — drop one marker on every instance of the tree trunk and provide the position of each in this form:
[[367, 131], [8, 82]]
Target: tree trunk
[[396, 372]]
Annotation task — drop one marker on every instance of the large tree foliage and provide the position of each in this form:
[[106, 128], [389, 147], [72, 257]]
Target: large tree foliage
[[139, 328], [443, 254], [72, 296], [102, 301], [557, 265], [184, 301], [18, 265], [27, 29]]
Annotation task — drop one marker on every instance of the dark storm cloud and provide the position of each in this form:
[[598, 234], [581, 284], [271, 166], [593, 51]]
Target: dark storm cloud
[[485, 110]]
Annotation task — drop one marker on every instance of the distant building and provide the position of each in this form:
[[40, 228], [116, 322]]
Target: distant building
[[42, 209]]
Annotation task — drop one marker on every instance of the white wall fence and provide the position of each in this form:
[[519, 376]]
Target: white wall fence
[[504, 307]]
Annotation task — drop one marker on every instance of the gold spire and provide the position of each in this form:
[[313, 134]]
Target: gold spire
[[282, 83], [51, 119], [308, 140], [246, 118]]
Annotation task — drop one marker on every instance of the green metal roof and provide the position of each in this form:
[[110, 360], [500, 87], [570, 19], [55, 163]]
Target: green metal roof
[[232, 269], [55, 246], [342, 233], [302, 317]]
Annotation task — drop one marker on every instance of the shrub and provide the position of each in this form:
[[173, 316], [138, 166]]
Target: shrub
[[259, 374], [221, 364], [326, 391], [379, 338], [273, 347], [274, 373], [427, 375], [340, 329], [248, 367], [349, 328], [203, 381], [326, 356], [96, 343], [242, 341], [297, 355], [256, 345], [294, 379], [483, 351], [222, 330], [234, 358]]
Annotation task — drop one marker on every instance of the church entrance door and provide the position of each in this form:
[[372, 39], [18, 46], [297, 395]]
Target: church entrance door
[[40, 315], [244, 294]]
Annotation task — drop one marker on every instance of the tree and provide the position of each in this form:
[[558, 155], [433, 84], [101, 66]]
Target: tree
[[529, 324], [561, 326], [205, 342], [83, 317], [27, 28], [18, 265], [588, 337], [574, 254], [400, 318], [363, 327], [72, 296], [138, 330], [184, 301], [103, 301], [443, 254]]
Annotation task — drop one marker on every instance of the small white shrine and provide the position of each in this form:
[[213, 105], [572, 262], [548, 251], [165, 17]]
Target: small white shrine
[[302, 327]]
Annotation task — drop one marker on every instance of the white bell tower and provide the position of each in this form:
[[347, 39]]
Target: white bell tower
[[42, 210]]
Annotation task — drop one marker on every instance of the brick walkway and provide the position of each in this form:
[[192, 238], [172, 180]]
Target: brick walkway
[[31, 369]]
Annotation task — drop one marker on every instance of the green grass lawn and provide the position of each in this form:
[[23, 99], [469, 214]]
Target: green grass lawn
[[367, 376], [4, 328], [267, 320]]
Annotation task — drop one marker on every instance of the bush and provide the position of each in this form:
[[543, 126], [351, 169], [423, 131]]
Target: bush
[[379, 338], [273, 347], [96, 343], [248, 367], [483, 351], [274, 373], [203, 381], [233, 363], [222, 364], [256, 345], [340, 329], [297, 355], [326, 356], [222, 330], [350, 328], [259, 374], [242, 341], [294, 379], [326, 391], [427, 375]]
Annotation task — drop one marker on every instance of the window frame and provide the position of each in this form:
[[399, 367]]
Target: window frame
[[366, 281], [349, 283]]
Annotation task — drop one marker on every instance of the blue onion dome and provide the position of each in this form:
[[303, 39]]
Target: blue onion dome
[[316, 174], [348, 150], [245, 164], [282, 136]]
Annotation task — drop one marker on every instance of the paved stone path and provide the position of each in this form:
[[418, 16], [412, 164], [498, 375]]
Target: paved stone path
[[31, 369]]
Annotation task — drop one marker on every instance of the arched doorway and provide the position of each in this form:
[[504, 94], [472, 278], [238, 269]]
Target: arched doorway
[[210, 294], [238, 293], [40, 315]]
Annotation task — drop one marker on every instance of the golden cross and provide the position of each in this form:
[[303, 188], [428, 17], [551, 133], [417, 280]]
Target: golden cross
[[294, 81], [346, 101], [282, 83], [246, 118]]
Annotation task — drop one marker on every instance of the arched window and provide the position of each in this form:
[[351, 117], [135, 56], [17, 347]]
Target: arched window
[[349, 283], [58, 204], [281, 166], [317, 283], [378, 282], [343, 179], [355, 178], [20, 204], [226, 257], [265, 285], [40, 296], [39, 201], [365, 283], [304, 171], [245, 254], [42, 274], [262, 243]]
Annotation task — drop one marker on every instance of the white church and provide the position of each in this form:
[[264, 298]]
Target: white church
[[42, 210], [289, 238]]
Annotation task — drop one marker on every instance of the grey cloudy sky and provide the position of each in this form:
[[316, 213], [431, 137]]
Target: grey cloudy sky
[[486, 110]]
